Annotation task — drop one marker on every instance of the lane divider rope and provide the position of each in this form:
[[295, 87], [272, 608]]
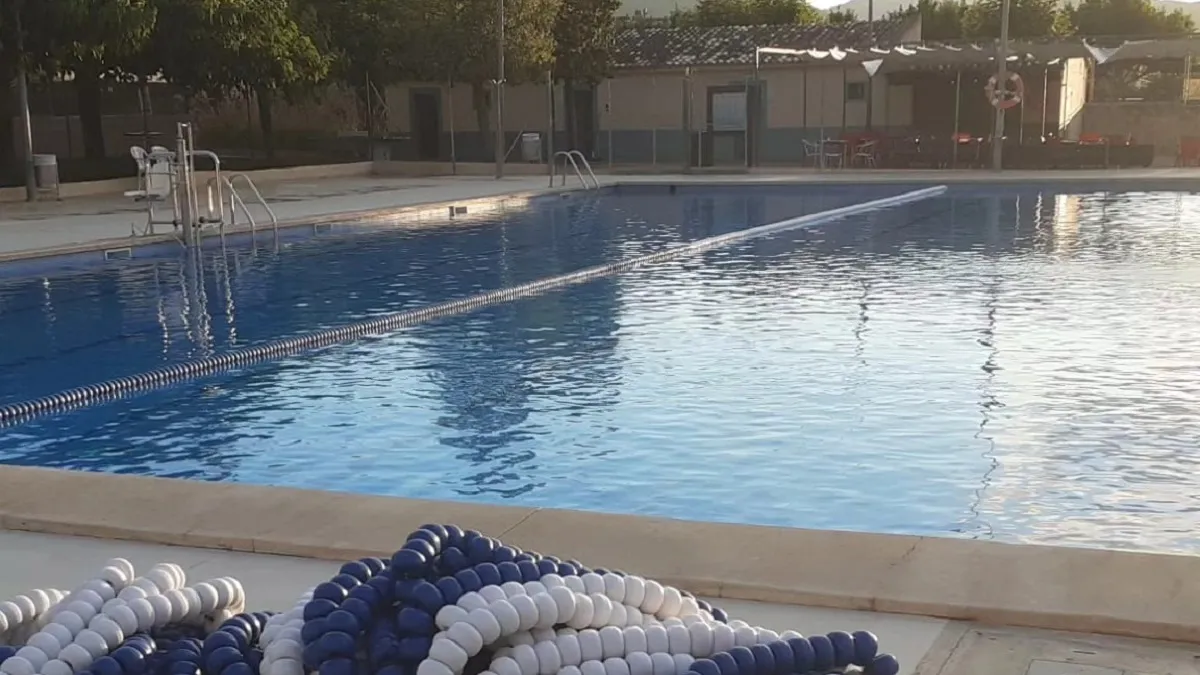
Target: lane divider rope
[[78, 397]]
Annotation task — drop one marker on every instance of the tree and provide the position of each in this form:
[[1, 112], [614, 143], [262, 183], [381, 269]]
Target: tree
[[22, 45], [457, 40], [940, 19], [748, 13], [369, 41], [583, 36], [1126, 17], [1027, 19], [841, 17], [225, 47], [92, 38]]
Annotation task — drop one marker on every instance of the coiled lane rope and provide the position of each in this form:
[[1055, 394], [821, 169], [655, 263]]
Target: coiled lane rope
[[78, 397]]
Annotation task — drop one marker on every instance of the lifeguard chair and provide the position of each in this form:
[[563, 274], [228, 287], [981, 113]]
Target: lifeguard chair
[[156, 184]]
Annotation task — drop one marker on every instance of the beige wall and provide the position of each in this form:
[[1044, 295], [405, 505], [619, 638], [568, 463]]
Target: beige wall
[[1073, 96], [809, 97], [525, 107]]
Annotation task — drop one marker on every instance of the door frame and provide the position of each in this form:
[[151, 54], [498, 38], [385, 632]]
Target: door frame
[[413, 93], [710, 134]]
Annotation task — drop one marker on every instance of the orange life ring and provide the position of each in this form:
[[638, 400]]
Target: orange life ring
[[1009, 96]]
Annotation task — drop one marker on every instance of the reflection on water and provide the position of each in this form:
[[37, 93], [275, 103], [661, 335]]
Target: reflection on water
[[1015, 365]]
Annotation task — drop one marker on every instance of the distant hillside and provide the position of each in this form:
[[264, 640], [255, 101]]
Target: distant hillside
[[664, 7]]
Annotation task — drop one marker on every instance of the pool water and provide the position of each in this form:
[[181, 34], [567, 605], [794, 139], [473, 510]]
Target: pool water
[[1016, 364]]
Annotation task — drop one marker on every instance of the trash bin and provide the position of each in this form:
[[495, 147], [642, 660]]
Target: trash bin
[[45, 172], [531, 147]]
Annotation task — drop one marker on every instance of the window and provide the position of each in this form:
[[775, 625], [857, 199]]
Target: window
[[856, 91]]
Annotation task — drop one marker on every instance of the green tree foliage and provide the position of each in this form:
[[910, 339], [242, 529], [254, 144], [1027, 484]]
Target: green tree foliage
[[1126, 17], [841, 17], [748, 13], [90, 39], [225, 47], [456, 40], [583, 37], [1027, 19]]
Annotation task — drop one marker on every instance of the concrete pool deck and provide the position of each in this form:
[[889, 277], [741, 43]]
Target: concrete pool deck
[[753, 572], [97, 222]]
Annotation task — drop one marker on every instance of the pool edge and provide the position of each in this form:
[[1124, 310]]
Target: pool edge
[[404, 214], [407, 213], [1145, 595]]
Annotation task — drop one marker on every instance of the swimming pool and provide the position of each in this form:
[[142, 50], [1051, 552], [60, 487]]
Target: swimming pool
[[1010, 363]]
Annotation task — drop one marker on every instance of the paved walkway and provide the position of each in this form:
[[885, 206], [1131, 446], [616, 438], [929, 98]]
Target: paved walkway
[[48, 225], [44, 225], [924, 646]]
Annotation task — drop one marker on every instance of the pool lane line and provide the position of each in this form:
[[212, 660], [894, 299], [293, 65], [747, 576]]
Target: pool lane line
[[86, 395]]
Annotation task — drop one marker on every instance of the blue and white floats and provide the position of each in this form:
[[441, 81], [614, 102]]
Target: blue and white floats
[[449, 602]]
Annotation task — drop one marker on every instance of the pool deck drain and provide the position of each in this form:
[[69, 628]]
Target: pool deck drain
[[69, 225]]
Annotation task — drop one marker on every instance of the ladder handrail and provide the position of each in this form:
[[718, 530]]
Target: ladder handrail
[[257, 195], [587, 165], [569, 156]]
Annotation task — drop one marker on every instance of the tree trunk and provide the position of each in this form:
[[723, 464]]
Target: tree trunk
[[265, 121], [483, 117], [91, 120], [9, 20], [572, 121], [8, 113]]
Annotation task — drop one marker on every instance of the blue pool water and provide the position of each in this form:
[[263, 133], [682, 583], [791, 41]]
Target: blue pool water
[[1016, 364]]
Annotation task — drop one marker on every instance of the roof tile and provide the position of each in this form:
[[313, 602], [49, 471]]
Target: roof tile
[[735, 45]]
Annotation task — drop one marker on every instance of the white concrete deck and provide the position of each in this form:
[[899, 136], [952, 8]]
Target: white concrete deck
[[49, 225]]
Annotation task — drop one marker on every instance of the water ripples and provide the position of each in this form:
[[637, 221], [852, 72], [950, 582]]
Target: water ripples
[[1017, 365]]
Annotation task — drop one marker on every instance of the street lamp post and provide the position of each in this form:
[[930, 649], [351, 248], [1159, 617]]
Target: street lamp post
[[26, 130], [498, 96], [870, 44], [1001, 81]]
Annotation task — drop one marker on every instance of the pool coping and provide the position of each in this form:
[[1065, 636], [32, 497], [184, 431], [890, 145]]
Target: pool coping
[[406, 214], [1145, 595]]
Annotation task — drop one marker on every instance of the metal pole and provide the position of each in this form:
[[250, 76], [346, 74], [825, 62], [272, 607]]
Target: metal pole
[[1045, 96], [499, 97], [550, 118], [183, 184], [821, 123], [1001, 81], [608, 120], [957, 106], [686, 119], [450, 109], [26, 131], [870, 76]]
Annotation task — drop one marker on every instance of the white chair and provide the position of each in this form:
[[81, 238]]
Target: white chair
[[864, 154], [155, 174], [812, 152]]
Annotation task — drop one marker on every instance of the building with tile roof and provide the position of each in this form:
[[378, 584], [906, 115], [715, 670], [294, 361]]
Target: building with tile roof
[[700, 96]]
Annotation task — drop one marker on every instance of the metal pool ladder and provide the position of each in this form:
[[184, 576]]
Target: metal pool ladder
[[235, 200], [576, 158]]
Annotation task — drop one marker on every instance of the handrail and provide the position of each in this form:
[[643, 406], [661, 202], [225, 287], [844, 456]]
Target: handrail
[[235, 200], [515, 143], [587, 165], [569, 156], [257, 195]]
